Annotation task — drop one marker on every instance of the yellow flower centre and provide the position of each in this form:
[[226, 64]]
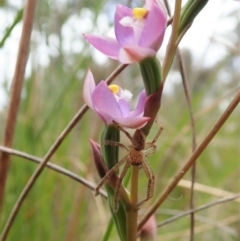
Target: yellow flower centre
[[114, 88], [139, 13]]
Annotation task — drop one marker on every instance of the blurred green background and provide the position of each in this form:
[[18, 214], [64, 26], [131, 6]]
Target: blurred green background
[[59, 208]]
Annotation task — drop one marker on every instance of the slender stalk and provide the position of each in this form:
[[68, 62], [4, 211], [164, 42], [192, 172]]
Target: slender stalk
[[53, 167], [194, 142], [132, 214], [115, 73], [192, 158], [134, 186], [16, 92], [205, 206], [173, 40]]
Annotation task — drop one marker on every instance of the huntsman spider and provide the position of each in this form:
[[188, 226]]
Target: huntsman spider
[[137, 154]]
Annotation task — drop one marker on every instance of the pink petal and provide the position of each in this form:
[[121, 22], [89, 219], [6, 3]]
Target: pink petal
[[106, 45], [140, 105], [105, 103], [88, 88], [125, 107], [155, 25], [132, 54], [123, 34], [130, 122], [105, 116], [149, 4]]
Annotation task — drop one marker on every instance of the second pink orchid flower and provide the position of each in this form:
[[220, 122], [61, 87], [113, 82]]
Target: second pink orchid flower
[[114, 106]]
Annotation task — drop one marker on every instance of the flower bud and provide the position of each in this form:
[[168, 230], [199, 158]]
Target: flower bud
[[149, 230], [98, 160]]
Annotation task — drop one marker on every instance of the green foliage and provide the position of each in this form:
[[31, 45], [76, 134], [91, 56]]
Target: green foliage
[[190, 11], [8, 31], [110, 156]]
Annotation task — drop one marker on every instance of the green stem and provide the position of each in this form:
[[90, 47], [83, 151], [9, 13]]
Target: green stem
[[110, 155], [151, 74], [134, 186], [173, 40], [132, 214]]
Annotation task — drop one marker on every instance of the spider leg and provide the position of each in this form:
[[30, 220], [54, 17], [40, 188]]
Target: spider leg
[[108, 175], [118, 186], [151, 145], [115, 143], [158, 133], [151, 179], [126, 133], [151, 151]]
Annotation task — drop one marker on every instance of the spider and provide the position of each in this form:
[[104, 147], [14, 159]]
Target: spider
[[137, 154]]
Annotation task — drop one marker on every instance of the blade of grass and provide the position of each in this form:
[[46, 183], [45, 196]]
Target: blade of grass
[[108, 231], [194, 142], [172, 45], [53, 167], [16, 92], [205, 206], [10, 28]]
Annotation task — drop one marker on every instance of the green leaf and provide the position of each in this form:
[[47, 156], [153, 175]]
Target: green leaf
[[108, 231], [8, 31], [151, 74], [109, 152], [189, 12], [110, 156], [152, 78]]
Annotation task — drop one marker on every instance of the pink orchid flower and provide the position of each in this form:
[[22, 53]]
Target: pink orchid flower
[[112, 103], [139, 33]]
